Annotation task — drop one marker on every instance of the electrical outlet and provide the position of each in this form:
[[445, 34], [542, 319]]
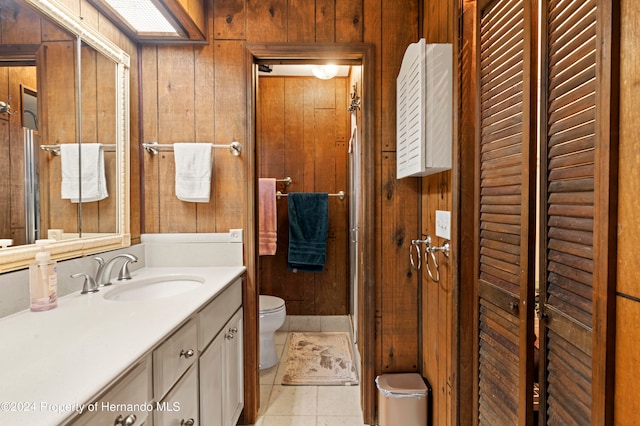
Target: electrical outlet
[[443, 224]]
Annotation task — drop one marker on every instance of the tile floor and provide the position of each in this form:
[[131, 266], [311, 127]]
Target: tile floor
[[306, 405]]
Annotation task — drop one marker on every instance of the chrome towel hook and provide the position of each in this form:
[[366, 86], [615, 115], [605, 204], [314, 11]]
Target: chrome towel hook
[[444, 249], [416, 244]]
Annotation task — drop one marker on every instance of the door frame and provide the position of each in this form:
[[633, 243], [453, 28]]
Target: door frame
[[352, 53]]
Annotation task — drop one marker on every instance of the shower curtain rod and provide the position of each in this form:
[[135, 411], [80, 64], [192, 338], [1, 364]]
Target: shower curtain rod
[[340, 195]]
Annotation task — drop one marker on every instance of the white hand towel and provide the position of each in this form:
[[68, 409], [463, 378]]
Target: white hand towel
[[90, 175], [193, 171]]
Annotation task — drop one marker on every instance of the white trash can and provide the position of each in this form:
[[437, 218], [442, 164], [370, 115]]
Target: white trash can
[[402, 399]]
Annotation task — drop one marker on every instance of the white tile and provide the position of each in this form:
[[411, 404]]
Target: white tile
[[339, 421], [268, 376], [285, 324], [339, 400], [280, 337], [293, 401], [304, 323], [289, 421], [265, 395], [335, 323]]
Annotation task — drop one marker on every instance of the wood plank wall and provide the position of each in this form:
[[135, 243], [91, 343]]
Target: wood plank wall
[[302, 133], [627, 375], [437, 309]]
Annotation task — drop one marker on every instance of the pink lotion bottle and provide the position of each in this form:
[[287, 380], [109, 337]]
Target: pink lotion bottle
[[43, 280]]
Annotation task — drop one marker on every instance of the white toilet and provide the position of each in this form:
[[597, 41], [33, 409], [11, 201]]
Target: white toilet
[[272, 315]]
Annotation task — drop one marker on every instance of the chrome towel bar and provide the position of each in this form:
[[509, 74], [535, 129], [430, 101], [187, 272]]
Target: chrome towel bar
[[55, 149], [340, 195], [154, 148]]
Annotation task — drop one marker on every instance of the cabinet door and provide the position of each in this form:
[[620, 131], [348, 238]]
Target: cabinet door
[[180, 406], [234, 367], [506, 226], [212, 382]]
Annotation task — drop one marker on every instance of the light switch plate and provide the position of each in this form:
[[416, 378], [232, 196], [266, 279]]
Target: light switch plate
[[443, 224]]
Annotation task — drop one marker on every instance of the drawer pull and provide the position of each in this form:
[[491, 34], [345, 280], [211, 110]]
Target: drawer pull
[[130, 420], [187, 354], [232, 333], [188, 422]]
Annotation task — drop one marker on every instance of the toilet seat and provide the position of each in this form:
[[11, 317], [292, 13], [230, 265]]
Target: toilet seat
[[271, 304]]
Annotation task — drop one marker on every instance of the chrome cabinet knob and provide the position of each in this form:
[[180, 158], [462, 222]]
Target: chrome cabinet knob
[[187, 354]]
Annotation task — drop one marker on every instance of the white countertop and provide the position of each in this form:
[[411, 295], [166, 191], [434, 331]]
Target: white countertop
[[52, 362]]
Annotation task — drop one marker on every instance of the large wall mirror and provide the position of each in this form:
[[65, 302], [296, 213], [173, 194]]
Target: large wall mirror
[[64, 134]]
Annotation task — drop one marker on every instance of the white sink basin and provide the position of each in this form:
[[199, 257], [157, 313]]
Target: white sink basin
[[153, 287]]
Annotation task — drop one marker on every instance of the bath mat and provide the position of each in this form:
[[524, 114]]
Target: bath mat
[[319, 359]]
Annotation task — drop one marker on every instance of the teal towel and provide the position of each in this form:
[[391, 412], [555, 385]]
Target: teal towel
[[308, 231]]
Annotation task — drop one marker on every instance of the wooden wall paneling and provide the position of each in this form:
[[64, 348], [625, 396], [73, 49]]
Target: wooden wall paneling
[[325, 283], [105, 132], [399, 284], [463, 405], [325, 21], [230, 125], [270, 143], [299, 287], [444, 306], [5, 164], [20, 24], [89, 124], [430, 297], [394, 16], [301, 21], [349, 21], [629, 158], [204, 131], [627, 358], [60, 74], [149, 122], [606, 209], [267, 21], [229, 19], [175, 124]]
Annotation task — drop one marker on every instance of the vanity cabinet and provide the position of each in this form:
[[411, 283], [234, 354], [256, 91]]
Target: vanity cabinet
[[127, 402], [192, 377], [221, 376]]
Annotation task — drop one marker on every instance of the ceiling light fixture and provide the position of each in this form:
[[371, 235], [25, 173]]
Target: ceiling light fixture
[[325, 72], [143, 16]]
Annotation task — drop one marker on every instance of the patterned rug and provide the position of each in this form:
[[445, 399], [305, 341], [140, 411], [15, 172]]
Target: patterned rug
[[320, 359]]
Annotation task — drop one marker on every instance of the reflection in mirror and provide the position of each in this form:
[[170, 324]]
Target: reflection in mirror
[[92, 121], [68, 86]]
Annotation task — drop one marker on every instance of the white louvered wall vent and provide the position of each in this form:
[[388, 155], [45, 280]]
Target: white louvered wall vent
[[424, 110]]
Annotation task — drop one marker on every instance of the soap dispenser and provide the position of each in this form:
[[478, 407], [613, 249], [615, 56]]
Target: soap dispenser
[[43, 279]]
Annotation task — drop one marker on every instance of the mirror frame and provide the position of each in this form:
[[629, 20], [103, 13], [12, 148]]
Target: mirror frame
[[13, 258]]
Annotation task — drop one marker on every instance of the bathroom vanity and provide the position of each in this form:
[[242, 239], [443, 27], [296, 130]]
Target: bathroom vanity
[[140, 352]]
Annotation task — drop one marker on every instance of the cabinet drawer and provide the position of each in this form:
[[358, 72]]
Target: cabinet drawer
[[213, 317], [130, 396], [173, 357], [180, 406]]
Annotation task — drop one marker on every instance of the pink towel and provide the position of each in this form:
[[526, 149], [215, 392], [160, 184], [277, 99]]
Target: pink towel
[[267, 217]]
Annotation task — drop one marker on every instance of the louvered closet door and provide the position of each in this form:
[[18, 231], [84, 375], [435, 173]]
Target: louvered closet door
[[506, 214], [568, 171]]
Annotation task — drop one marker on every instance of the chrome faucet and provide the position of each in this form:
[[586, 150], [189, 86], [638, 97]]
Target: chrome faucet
[[103, 274]]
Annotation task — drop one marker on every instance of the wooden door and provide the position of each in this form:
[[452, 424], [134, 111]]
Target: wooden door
[[506, 213], [578, 166]]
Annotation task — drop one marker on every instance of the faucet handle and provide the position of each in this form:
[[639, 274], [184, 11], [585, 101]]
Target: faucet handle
[[89, 284], [124, 271]]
